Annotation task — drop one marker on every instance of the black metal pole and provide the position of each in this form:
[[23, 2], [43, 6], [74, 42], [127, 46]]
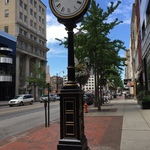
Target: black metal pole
[[45, 105], [71, 65], [48, 107], [57, 84]]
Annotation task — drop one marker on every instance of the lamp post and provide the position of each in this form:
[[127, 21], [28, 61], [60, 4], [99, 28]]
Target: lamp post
[[72, 134], [87, 61]]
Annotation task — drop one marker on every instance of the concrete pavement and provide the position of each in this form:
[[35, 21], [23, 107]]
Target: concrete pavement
[[120, 125]]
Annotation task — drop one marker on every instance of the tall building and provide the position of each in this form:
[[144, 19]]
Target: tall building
[[26, 20]]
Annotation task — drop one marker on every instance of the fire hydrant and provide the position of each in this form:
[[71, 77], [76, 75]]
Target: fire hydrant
[[85, 107]]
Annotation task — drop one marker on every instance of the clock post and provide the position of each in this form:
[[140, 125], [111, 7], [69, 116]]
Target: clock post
[[72, 135]]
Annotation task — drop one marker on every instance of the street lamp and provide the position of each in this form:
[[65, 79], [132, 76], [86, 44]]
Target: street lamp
[[87, 61], [71, 97], [57, 81]]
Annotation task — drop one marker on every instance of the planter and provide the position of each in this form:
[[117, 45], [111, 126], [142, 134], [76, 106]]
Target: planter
[[145, 105]]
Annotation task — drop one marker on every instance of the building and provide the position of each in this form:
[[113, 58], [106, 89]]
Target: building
[[145, 42], [56, 83], [7, 65], [139, 55], [26, 20], [90, 85]]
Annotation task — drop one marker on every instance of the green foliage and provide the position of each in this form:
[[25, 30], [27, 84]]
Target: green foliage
[[38, 76], [81, 74], [143, 96], [146, 98], [93, 41]]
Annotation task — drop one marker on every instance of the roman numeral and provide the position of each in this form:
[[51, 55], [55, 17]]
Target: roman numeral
[[75, 7], [58, 5], [68, 10], [63, 9], [79, 2]]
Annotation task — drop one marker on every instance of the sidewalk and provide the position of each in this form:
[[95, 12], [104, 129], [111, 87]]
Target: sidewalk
[[120, 125]]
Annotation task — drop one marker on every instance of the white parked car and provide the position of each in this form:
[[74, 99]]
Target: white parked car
[[57, 97], [52, 97], [21, 100]]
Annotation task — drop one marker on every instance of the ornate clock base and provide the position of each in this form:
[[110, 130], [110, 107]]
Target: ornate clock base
[[68, 144], [72, 135]]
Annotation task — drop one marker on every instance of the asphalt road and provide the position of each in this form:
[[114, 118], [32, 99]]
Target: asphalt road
[[17, 119]]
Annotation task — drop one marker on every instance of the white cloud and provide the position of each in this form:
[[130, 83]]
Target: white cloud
[[57, 52], [123, 12], [54, 30]]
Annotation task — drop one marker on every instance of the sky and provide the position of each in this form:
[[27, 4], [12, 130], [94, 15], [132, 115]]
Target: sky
[[57, 56]]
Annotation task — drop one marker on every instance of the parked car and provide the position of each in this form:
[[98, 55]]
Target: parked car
[[88, 98], [119, 94], [52, 97], [43, 98], [21, 100], [57, 97]]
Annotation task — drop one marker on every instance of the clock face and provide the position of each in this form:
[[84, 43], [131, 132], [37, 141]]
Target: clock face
[[68, 8]]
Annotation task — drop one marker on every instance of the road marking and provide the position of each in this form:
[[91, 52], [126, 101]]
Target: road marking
[[19, 108]]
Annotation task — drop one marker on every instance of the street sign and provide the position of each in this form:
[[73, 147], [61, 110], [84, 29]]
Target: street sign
[[126, 81]]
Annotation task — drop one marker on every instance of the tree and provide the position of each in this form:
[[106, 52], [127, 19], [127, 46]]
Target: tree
[[38, 78], [96, 44]]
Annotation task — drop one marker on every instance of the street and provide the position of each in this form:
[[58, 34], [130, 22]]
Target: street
[[17, 119]]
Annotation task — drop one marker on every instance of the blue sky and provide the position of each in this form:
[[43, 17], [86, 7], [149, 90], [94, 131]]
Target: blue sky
[[57, 56]]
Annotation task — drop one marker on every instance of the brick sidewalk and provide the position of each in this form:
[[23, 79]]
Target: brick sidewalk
[[102, 133]]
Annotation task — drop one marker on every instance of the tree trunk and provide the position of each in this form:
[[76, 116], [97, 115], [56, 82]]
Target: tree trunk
[[99, 96], [34, 92]]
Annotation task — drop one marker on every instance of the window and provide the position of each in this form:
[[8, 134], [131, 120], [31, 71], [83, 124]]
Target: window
[[39, 18], [42, 31], [25, 18], [31, 23], [34, 25], [6, 2], [20, 15], [31, 36], [34, 38], [6, 13], [43, 11], [35, 4], [42, 21], [25, 6], [34, 14], [39, 29], [40, 8], [25, 33], [21, 3], [143, 30], [31, 12], [25, 46], [31, 1], [20, 31], [6, 29]]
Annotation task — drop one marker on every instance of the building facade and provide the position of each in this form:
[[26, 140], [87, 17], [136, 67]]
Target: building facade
[[56, 83], [90, 85], [7, 66], [26, 20], [145, 42], [140, 46]]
